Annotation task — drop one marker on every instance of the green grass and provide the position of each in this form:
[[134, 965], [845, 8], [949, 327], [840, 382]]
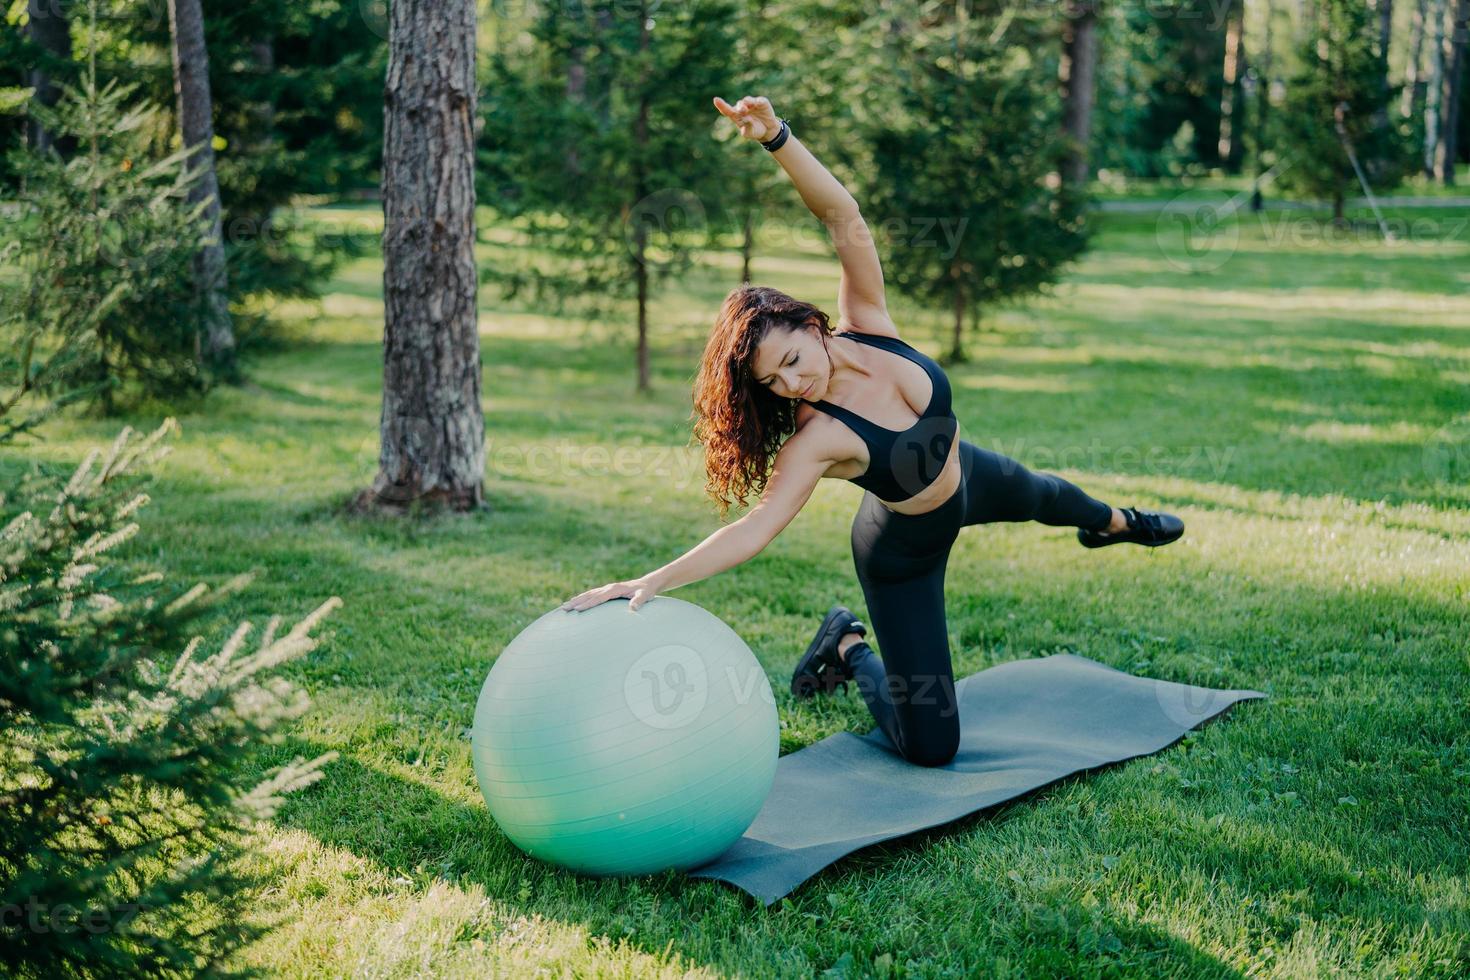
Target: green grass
[[1216, 185], [1304, 405]]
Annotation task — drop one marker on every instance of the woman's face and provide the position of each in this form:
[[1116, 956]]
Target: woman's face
[[791, 364]]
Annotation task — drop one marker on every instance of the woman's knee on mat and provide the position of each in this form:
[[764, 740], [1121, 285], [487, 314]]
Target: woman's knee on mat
[[932, 744], [928, 723]]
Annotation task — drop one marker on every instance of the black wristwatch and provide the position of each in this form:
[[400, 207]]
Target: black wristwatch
[[779, 140]]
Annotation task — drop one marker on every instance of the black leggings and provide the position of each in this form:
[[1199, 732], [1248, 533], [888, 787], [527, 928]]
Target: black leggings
[[900, 561]]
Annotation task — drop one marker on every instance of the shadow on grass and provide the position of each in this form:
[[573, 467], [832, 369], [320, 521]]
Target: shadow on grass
[[414, 831]]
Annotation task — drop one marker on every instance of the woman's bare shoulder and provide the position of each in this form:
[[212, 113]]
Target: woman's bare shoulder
[[821, 428], [826, 438], [823, 432]]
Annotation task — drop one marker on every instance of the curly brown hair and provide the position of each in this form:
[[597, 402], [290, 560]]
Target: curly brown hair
[[740, 422]]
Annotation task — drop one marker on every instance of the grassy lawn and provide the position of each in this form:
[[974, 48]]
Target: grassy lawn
[[1304, 405], [1116, 186]]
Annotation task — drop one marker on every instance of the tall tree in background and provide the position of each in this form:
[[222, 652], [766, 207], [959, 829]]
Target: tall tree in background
[[611, 184], [1231, 104], [984, 215], [822, 104], [1258, 79], [1411, 101], [1434, 91], [196, 127], [1078, 71], [49, 27], [98, 298], [1340, 67], [297, 108], [770, 38], [1160, 87], [777, 46], [1447, 152], [432, 428]]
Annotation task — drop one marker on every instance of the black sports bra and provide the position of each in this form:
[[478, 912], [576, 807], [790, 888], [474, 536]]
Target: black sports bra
[[901, 464]]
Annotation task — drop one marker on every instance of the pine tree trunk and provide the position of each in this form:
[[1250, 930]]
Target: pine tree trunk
[[640, 190], [1078, 71], [576, 91], [48, 28], [1433, 95], [1228, 146], [263, 53], [1409, 100], [1263, 102], [1385, 37], [957, 342], [1449, 125], [640, 262], [747, 244], [263, 118], [196, 127], [432, 425]]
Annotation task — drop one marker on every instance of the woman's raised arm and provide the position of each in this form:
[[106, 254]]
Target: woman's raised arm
[[824, 194], [861, 298]]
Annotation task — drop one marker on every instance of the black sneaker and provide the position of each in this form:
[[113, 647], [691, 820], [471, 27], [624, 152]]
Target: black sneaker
[[822, 668], [1146, 527]]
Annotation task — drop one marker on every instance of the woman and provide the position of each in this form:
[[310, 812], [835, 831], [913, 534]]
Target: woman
[[860, 405]]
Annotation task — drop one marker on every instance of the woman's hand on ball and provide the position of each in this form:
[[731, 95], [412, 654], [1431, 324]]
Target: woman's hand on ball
[[637, 591], [753, 115]]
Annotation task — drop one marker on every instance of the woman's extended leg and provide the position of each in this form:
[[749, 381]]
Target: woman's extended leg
[[999, 488]]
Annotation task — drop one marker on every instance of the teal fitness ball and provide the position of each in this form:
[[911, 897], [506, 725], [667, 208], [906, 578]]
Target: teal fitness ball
[[619, 742]]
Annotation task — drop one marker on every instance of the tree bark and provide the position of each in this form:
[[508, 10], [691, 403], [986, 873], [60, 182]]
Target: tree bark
[[196, 128], [47, 25], [1449, 124], [747, 242], [1433, 95], [1409, 99], [957, 340], [432, 427], [1263, 102], [1227, 146], [263, 144], [1077, 73], [1385, 37], [640, 190], [263, 52], [576, 93]]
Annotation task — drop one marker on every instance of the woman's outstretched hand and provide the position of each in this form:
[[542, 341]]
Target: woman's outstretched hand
[[754, 115], [638, 591]]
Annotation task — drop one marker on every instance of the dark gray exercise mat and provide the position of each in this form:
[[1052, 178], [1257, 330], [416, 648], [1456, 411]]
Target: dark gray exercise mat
[[1023, 725]]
